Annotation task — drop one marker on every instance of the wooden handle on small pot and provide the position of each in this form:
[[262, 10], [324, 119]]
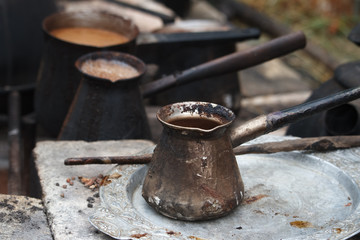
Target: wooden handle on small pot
[[233, 62], [273, 121]]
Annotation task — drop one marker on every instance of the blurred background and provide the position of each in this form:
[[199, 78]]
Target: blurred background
[[326, 24]]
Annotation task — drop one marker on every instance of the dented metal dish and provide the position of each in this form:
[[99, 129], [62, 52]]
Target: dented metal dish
[[295, 195]]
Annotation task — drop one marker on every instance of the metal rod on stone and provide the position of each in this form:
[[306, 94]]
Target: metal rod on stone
[[15, 161], [138, 159], [319, 144]]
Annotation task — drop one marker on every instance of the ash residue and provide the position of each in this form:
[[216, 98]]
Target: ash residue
[[210, 110], [2, 217], [90, 201], [14, 217], [20, 216], [34, 209], [222, 112], [5, 204]]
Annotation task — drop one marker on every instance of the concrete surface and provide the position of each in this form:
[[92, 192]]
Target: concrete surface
[[22, 218], [69, 204]]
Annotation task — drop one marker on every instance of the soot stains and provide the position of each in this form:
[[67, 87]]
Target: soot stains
[[5, 204], [14, 217]]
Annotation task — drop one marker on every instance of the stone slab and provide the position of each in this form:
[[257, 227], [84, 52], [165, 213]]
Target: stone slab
[[22, 218], [70, 203]]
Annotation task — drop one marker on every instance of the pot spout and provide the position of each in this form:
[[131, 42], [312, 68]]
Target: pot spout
[[263, 124]]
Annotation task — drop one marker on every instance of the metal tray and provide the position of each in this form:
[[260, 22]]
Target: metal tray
[[290, 195]]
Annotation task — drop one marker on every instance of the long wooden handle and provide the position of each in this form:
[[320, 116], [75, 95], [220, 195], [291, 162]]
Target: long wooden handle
[[268, 123], [233, 62]]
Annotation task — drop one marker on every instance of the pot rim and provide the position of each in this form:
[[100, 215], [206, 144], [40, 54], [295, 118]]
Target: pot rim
[[127, 58], [66, 19], [195, 109]]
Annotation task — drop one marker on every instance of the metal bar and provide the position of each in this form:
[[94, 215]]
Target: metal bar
[[28, 143], [15, 162], [141, 159], [318, 144]]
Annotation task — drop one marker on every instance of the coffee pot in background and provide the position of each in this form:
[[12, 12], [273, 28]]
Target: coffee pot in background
[[58, 77], [107, 104]]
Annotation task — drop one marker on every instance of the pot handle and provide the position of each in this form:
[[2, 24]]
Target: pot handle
[[233, 35], [273, 121], [233, 62]]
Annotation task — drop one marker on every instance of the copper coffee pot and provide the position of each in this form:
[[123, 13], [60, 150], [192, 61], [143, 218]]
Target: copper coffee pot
[[193, 174]]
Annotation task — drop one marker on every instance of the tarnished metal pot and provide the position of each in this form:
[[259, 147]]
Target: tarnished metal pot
[[193, 174], [105, 109]]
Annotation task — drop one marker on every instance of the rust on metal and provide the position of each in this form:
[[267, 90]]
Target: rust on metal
[[138, 159], [301, 224], [139, 235], [252, 199]]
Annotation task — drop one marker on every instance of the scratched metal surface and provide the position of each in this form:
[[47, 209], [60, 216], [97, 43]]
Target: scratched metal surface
[[292, 195]]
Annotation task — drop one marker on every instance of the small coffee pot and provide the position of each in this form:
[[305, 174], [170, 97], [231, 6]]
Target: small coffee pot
[[193, 174]]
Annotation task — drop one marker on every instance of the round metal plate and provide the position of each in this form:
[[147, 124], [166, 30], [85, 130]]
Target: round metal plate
[[287, 195]]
